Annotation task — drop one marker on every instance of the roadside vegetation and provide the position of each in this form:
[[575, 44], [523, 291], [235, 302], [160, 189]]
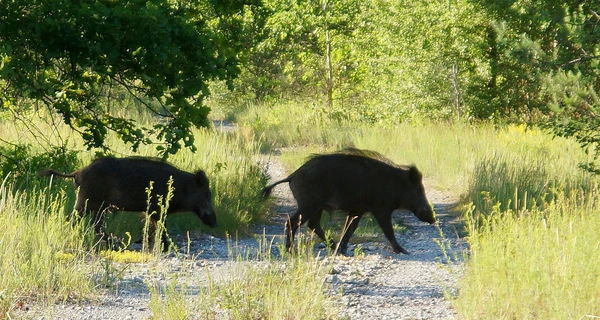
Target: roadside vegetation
[[42, 255], [289, 287]]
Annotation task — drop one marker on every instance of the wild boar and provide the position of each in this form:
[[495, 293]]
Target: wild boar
[[355, 181], [120, 184]]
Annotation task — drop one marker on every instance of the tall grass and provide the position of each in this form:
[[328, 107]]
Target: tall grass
[[532, 226], [42, 254], [290, 290], [523, 182], [534, 264], [290, 124]]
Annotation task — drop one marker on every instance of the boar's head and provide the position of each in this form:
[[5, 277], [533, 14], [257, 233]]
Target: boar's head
[[203, 206], [417, 202]]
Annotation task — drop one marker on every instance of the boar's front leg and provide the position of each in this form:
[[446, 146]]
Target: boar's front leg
[[384, 218]]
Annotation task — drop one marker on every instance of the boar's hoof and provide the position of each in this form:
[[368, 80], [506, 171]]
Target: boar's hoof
[[401, 250]]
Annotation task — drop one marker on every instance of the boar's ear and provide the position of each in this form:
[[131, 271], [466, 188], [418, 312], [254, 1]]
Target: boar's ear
[[414, 175], [201, 179]]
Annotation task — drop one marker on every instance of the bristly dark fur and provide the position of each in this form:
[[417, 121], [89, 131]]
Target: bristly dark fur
[[365, 153]]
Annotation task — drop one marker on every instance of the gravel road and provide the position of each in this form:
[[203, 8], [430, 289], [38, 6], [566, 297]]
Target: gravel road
[[374, 284]]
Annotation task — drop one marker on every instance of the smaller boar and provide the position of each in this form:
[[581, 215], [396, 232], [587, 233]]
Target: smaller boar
[[356, 181], [120, 184]]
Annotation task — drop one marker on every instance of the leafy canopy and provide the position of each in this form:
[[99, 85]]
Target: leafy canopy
[[79, 57]]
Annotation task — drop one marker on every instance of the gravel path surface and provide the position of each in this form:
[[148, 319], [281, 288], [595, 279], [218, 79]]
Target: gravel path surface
[[374, 284]]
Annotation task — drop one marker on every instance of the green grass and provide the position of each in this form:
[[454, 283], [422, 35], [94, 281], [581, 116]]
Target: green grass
[[293, 124], [523, 182], [535, 264], [533, 222]]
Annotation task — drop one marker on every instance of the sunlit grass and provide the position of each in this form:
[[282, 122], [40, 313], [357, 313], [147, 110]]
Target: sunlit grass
[[534, 264], [293, 124], [523, 182]]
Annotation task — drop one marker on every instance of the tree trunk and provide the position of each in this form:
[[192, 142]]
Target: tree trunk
[[329, 69], [456, 85]]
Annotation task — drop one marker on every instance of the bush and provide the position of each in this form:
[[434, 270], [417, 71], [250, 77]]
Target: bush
[[22, 164]]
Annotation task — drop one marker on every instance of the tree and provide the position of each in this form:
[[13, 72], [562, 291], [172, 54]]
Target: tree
[[574, 85], [74, 57]]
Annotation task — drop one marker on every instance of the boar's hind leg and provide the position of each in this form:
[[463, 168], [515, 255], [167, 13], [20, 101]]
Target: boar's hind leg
[[314, 223], [94, 209], [385, 222], [302, 215], [351, 224]]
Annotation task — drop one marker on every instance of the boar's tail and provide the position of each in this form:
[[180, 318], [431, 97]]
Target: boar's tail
[[49, 172], [266, 191]]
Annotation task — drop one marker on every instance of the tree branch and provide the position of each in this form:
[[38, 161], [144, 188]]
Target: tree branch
[[578, 60]]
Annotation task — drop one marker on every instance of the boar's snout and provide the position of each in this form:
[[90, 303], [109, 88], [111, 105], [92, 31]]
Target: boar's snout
[[206, 212], [208, 217], [427, 215], [424, 212]]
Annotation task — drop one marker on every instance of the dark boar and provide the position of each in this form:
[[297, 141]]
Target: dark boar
[[120, 184], [356, 181]]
